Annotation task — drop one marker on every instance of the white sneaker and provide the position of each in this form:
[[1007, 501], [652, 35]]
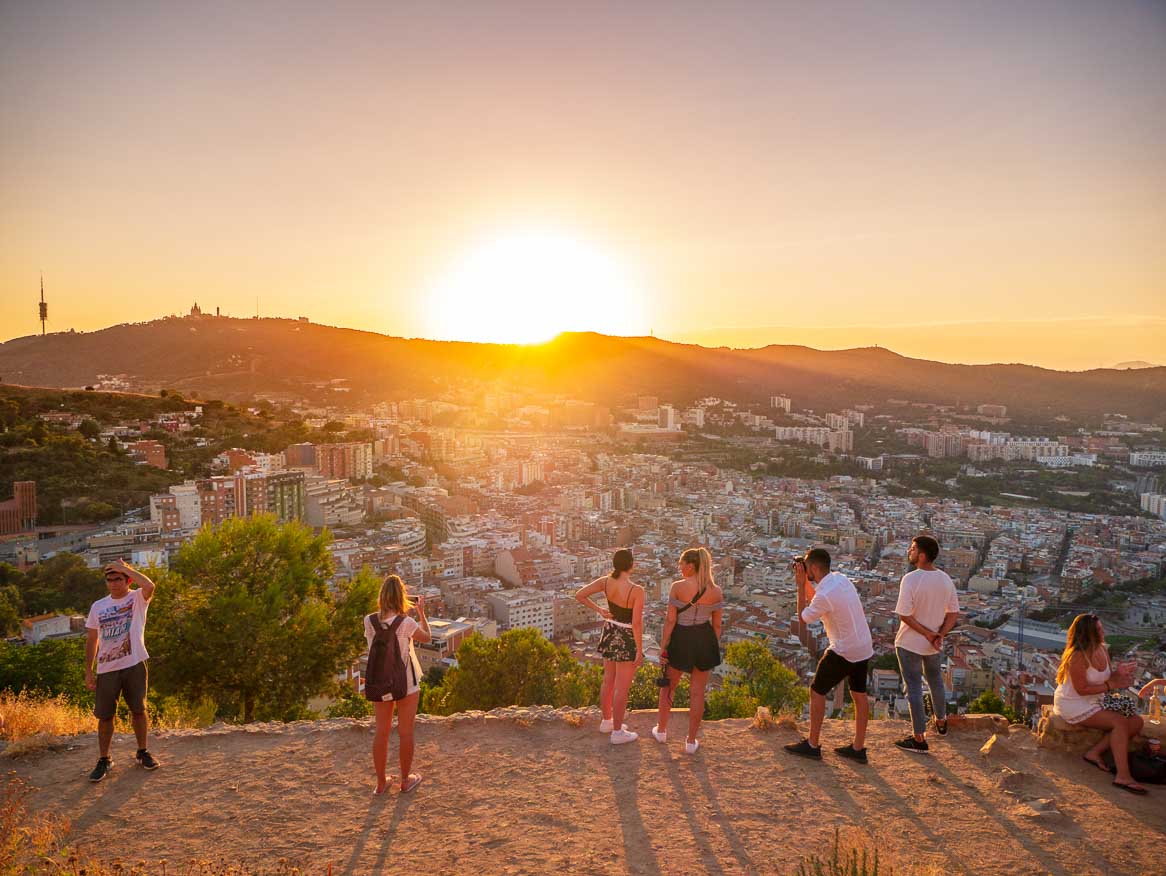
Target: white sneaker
[[658, 736], [609, 725], [691, 747], [619, 737]]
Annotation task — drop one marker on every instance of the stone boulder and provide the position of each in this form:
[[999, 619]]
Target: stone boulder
[[1056, 734], [983, 724]]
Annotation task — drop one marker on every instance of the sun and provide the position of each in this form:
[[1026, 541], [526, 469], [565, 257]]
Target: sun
[[525, 287]]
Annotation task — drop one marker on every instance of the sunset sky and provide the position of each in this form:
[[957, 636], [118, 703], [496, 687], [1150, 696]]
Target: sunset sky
[[962, 181]]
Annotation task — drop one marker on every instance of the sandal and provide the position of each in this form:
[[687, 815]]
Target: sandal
[[1132, 787], [1101, 766], [413, 782]]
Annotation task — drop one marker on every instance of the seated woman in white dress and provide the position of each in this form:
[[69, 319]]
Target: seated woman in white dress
[[1083, 679]]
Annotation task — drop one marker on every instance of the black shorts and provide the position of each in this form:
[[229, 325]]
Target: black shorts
[[832, 669], [129, 682]]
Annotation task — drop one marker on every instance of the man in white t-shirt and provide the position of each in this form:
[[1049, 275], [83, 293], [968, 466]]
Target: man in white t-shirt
[[830, 597], [927, 608], [115, 659]]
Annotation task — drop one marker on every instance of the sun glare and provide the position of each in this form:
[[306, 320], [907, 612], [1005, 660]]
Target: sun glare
[[527, 287]]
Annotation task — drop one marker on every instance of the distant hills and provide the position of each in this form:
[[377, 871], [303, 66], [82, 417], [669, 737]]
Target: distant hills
[[238, 358]]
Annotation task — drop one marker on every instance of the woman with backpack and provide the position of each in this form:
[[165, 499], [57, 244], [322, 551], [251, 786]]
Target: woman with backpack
[[622, 642], [692, 632], [393, 678]]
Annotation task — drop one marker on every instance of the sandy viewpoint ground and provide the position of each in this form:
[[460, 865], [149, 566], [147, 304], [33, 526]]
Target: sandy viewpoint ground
[[533, 794]]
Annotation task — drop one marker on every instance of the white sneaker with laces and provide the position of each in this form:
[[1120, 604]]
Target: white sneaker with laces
[[658, 735], [691, 747], [619, 737]]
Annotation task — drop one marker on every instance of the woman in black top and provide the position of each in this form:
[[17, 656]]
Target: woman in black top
[[622, 642]]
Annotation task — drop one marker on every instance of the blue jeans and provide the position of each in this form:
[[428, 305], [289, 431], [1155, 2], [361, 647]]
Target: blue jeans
[[913, 667]]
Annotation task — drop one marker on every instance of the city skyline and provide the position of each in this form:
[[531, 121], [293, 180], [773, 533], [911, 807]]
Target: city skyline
[[965, 185]]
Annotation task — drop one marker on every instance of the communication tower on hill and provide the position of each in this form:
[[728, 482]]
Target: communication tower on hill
[[44, 307]]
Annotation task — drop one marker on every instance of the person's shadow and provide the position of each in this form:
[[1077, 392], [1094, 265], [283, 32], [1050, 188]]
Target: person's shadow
[[623, 769]]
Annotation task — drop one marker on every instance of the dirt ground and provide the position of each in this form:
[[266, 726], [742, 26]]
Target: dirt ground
[[510, 796]]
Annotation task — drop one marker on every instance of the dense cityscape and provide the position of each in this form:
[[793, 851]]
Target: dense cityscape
[[498, 505]]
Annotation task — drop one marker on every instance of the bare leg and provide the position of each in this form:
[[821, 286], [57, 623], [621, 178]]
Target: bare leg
[[380, 742], [1099, 749], [141, 725], [607, 689], [665, 709], [1119, 740], [699, 682], [624, 673], [817, 715], [405, 715], [104, 735], [861, 715]]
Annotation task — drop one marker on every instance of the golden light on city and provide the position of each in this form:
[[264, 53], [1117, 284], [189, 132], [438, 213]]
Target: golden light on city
[[527, 286]]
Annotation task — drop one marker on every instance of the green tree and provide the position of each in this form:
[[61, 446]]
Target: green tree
[[761, 680], [245, 617], [990, 703], [516, 669], [11, 610], [60, 584], [89, 428], [52, 667]]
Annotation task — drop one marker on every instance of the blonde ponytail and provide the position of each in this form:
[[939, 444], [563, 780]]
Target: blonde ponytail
[[702, 560]]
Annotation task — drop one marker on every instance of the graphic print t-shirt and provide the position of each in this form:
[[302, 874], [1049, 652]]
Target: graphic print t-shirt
[[121, 631]]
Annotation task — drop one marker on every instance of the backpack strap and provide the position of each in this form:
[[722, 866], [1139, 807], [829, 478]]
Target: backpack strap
[[375, 620]]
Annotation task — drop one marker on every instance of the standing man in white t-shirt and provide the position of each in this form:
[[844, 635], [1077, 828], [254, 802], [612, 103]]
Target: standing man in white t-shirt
[[116, 645], [832, 598], [927, 608]]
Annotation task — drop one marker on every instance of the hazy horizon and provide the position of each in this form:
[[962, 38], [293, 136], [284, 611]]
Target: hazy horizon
[[505, 171]]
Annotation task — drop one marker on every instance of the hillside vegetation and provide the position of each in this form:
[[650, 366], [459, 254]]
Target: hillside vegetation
[[236, 358]]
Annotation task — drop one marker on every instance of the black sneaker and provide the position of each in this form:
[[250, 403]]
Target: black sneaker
[[146, 760], [104, 765], [941, 726], [909, 743], [804, 749], [851, 753]]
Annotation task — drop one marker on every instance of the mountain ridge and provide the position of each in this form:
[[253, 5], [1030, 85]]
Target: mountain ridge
[[238, 358]]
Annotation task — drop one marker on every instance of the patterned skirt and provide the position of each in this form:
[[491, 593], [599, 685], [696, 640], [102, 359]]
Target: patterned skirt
[[1124, 704], [617, 643]]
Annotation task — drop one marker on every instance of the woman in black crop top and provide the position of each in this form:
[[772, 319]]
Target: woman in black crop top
[[622, 642]]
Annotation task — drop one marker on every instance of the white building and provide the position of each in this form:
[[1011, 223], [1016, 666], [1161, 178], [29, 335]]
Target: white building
[[524, 607], [1148, 458]]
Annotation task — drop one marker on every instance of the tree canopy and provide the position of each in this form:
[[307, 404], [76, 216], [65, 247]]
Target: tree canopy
[[245, 617]]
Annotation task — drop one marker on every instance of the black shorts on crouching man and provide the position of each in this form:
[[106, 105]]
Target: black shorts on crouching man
[[832, 669], [130, 682]]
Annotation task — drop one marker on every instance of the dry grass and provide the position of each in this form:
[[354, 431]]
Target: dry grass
[[25, 840], [30, 715], [33, 721], [855, 853]]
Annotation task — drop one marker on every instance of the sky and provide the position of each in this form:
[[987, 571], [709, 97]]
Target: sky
[[963, 181]]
